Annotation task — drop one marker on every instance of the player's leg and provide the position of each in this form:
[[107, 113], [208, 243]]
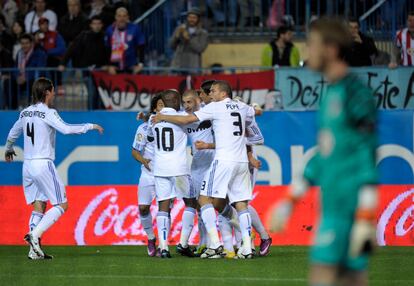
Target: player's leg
[[45, 177], [353, 278], [323, 275], [226, 232], [265, 239], [164, 188], [145, 197], [240, 194], [197, 177], [208, 213]]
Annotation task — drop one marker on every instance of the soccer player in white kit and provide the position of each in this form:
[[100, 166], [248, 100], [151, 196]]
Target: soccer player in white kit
[[198, 132], [170, 169], [229, 173], [41, 183], [143, 152]]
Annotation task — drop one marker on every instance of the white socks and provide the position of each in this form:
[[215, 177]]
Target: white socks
[[257, 223], [50, 217], [146, 222], [187, 225], [209, 217], [246, 229], [163, 225], [202, 232], [34, 220], [226, 233]]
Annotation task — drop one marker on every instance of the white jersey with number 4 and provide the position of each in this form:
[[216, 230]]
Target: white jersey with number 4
[[170, 154], [229, 119], [39, 123]]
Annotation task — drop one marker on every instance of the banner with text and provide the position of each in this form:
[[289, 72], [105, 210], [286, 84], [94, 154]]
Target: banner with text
[[108, 215], [133, 92], [303, 89]]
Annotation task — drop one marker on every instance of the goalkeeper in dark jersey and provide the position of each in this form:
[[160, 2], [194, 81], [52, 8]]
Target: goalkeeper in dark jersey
[[344, 165]]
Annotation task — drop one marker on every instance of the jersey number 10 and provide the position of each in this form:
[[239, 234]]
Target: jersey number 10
[[163, 135]]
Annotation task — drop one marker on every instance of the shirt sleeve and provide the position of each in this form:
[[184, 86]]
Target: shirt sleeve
[[140, 139], [254, 135], [54, 120], [206, 113], [14, 134]]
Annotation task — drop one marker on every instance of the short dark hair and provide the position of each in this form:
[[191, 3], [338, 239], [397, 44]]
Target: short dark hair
[[26, 36], [96, 17], [191, 92], [283, 30], [411, 13], [353, 20], [333, 31], [224, 86], [172, 98], [206, 85], [154, 101], [39, 89]]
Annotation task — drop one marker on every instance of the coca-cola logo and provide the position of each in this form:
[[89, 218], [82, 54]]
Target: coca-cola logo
[[396, 224], [106, 221]]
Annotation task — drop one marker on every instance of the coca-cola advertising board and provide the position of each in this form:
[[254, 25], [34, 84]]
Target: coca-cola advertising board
[[108, 215]]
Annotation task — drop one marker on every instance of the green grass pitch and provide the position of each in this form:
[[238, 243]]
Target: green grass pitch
[[129, 265]]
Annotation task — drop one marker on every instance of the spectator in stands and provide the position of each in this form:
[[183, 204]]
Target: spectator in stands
[[31, 21], [51, 41], [189, 41], [363, 49], [219, 7], [404, 45], [73, 23], [80, 51], [6, 61], [281, 51], [9, 12], [17, 31], [5, 38], [29, 56], [126, 42], [250, 12], [102, 9]]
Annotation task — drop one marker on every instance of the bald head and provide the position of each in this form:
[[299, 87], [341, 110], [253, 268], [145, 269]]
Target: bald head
[[171, 98], [121, 17]]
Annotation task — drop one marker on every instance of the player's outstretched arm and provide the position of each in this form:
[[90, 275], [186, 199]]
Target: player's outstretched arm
[[201, 145], [283, 211], [54, 120], [175, 119], [14, 134], [99, 128]]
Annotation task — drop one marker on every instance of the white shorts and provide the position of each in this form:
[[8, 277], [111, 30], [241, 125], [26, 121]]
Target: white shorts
[[42, 183], [146, 189], [172, 187], [228, 179], [253, 175]]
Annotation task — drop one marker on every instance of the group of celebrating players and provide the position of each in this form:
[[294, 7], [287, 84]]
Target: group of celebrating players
[[222, 132]]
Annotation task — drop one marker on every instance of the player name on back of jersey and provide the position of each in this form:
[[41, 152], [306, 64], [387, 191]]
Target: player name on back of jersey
[[232, 105], [34, 113], [201, 127]]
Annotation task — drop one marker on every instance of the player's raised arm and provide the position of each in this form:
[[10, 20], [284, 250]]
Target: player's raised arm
[[14, 134], [175, 119], [53, 119]]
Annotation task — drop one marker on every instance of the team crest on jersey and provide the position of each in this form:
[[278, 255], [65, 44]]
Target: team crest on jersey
[[326, 142], [139, 137]]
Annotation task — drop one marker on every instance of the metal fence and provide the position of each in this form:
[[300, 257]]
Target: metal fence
[[258, 19]]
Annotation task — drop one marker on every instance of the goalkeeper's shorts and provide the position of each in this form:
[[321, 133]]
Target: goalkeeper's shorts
[[331, 245]]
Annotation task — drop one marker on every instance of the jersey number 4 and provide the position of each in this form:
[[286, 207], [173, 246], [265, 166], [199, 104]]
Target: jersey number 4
[[30, 131], [163, 139]]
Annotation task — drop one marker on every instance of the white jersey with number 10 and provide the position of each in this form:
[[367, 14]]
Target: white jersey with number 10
[[170, 154]]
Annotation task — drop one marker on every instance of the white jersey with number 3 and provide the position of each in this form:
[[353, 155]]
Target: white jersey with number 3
[[39, 123], [170, 154], [229, 119]]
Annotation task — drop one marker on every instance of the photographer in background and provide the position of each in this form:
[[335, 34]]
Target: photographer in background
[[189, 41]]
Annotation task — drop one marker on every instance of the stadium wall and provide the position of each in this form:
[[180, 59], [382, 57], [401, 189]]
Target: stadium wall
[[102, 178]]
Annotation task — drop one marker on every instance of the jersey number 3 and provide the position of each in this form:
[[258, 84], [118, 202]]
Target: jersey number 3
[[163, 139], [30, 131], [238, 123]]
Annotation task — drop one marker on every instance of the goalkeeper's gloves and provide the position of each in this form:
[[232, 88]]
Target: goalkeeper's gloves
[[282, 212], [363, 232]]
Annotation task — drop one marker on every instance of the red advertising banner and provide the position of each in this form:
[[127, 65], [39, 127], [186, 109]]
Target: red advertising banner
[[108, 215], [133, 92]]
